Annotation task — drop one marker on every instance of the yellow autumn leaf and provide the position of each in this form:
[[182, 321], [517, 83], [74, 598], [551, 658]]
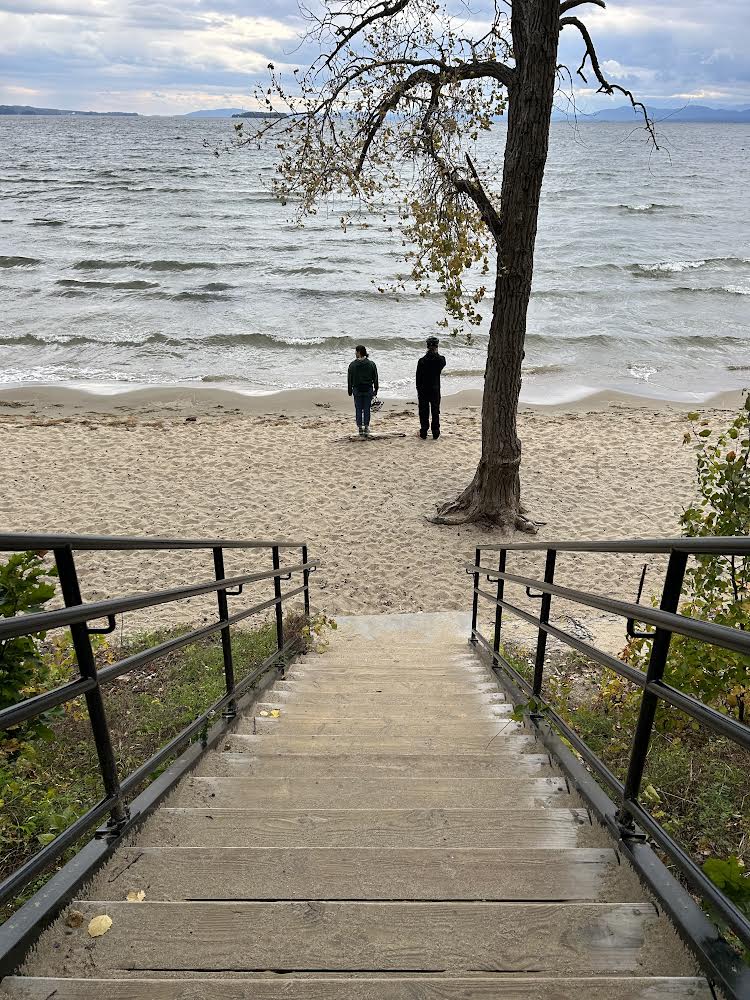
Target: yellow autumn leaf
[[99, 925], [275, 713], [136, 896]]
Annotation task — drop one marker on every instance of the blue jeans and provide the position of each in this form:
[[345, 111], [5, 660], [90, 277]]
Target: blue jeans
[[362, 402]]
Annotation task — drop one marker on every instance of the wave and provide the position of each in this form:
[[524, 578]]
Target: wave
[[543, 370], [479, 372], [738, 368], [714, 290], [47, 222], [19, 261], [127, 285], [102, 265], [216, 286], [711, 340], [237, 379], [647, 207], [100, 225], [96, 264], [678, 266], [204, 296]]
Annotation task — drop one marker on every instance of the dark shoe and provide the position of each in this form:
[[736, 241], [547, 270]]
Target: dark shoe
[[423, 435], [435, 436]]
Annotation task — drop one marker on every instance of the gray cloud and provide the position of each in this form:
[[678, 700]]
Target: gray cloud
[[170, 55]]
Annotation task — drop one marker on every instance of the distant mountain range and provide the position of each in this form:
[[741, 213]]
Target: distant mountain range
[[687, 113], [22, 109], [624, 113]]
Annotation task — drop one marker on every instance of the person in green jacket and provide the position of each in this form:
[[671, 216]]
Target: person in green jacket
[[362, 381]]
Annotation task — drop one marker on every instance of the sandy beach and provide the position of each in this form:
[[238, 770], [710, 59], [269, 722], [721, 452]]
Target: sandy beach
[[282, 466]]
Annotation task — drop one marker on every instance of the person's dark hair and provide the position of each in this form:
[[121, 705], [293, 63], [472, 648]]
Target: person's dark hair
[[361, 351], [432, 342]]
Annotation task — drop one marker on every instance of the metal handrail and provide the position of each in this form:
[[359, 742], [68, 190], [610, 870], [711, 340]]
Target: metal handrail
[[654, 689], [21, 542], [44, 621], [76, 615], [693, 628], [736, 545]]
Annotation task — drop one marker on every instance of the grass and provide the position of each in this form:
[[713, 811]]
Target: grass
[[54, 778], [696, 784]]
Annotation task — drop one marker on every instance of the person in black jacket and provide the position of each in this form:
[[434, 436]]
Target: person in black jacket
[[428, 388], [362, 383]]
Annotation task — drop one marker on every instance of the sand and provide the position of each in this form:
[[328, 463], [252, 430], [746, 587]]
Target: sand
[[283, 467]]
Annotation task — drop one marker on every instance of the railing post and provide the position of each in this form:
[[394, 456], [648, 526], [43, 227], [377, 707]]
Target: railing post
[[498, 609], [541, 642], [670, 600], [475, 595], [306, 582], [79, 632], [226, 640], [279, 609]]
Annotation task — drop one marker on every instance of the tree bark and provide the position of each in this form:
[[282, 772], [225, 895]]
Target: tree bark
[[494, 494]]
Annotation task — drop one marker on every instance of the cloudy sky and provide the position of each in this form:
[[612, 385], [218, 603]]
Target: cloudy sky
[[173, 56]]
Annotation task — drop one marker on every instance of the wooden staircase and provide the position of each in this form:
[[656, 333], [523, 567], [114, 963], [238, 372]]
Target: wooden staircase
[[392, 835]]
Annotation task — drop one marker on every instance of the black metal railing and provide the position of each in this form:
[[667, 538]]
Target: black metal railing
[[76, 616], [629, 820]]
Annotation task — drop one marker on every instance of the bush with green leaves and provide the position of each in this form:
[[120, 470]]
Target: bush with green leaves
[[25, 588], [717, 588]]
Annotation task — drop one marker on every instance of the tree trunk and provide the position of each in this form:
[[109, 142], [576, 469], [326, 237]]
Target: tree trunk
[[494, 493]]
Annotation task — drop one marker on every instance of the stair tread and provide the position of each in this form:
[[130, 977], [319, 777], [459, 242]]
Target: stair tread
[[361, 873], [548, 938], [333, 827], [346, 987]]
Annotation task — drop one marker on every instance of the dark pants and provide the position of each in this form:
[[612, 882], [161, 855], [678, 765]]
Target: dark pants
[[362, 402], [429, 402]]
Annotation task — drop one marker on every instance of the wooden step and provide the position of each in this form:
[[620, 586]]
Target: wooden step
[[335, 827], [422, 670], [546, 938], [345, 987], [363, 874], [476, 730], [511, 735], [373, 793], [376, 694], [382, 692], [332, 710], [280, 765]]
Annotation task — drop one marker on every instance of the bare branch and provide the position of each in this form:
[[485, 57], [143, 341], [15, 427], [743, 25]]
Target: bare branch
[[449, 74], [382, 9], [570, 4], [390, 103], [605, 87]]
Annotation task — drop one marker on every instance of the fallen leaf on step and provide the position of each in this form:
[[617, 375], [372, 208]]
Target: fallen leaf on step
[[99, 925], [275, 713], [75, 919], [136, 896], [263, 714]]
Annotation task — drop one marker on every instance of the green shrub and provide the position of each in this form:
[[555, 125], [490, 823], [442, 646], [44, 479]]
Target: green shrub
[[24, 589], [717, 588]]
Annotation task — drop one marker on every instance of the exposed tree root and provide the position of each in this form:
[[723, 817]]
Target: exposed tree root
[[466, 509]]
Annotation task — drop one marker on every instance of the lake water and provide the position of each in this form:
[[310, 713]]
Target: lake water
[[130, 254]]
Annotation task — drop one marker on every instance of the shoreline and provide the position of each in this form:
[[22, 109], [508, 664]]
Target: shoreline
[[67, 400]]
